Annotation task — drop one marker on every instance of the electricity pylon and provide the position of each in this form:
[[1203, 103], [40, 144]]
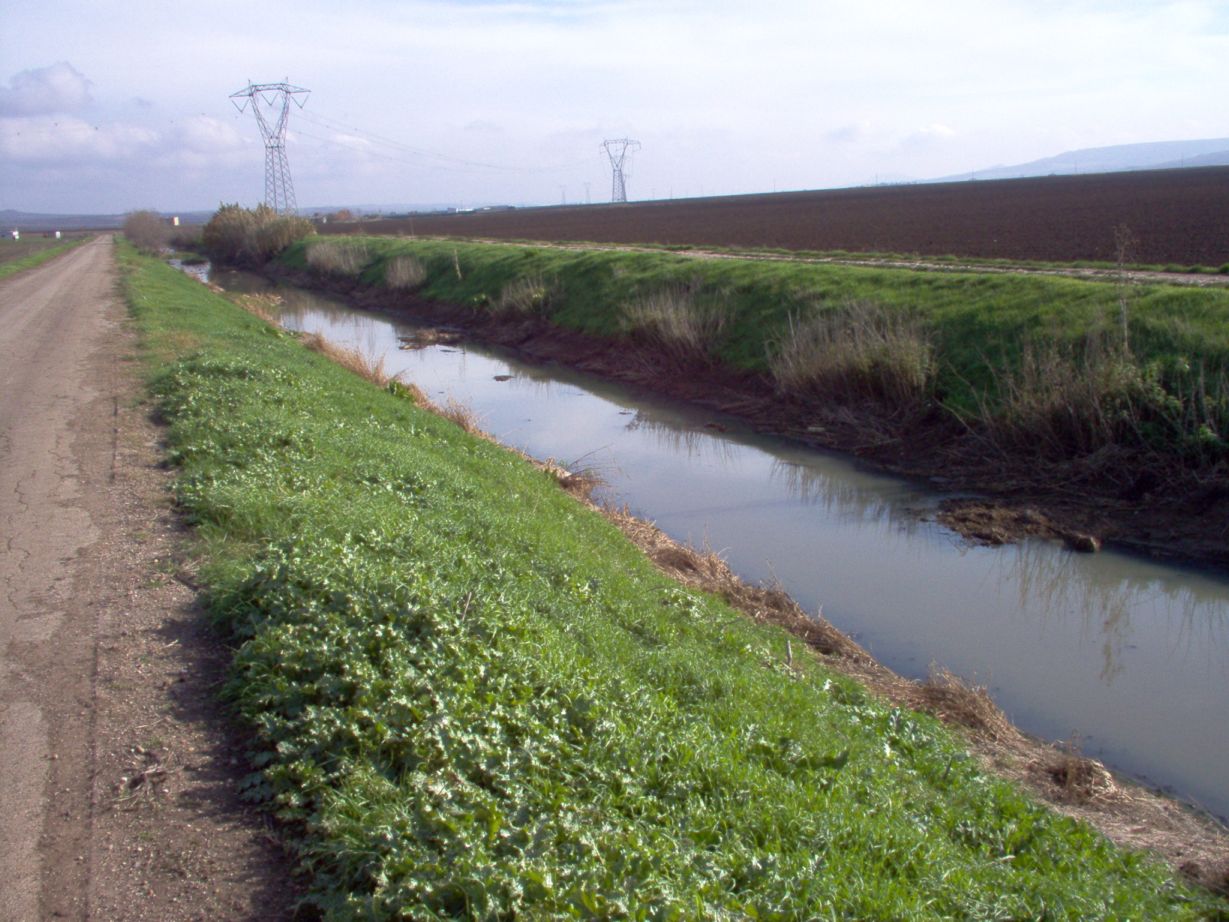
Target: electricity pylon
[[618, 151], [275, 98]]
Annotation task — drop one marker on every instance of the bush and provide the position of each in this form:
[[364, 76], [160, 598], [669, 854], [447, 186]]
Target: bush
[[147, 231], [251, 237]]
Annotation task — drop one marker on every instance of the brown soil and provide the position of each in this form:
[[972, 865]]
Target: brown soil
[[1177, 216], [120, 770]]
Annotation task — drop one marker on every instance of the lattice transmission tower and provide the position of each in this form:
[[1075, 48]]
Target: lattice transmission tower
[[619, 150], [271, 103]]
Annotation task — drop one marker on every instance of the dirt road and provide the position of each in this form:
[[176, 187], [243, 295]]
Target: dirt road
[[116, 770]]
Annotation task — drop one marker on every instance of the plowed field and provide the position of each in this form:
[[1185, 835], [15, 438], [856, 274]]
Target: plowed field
[[1176, 216]]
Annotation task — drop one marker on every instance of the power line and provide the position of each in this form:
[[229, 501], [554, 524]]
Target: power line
[[276, 97]]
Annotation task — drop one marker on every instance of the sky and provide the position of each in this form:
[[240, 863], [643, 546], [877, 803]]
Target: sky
[[109, 106]]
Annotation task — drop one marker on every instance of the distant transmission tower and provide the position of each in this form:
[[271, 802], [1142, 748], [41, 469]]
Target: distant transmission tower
[[271, 103], [618, 151]]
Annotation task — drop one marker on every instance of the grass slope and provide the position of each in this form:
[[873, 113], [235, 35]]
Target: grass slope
[[471, 697]]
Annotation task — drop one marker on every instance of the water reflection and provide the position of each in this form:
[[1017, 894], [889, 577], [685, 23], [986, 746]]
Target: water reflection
[[1107, 602], [1131, 655], [672, 437], [817, 486]]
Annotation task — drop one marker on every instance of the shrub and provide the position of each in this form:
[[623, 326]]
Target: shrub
[[861, 351], [147, 231], [251, 237]]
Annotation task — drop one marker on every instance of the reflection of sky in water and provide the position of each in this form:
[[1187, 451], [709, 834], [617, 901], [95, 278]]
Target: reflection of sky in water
[[1129, 656]]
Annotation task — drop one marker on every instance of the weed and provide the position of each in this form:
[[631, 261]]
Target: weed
[[404, 272], [861, 351], [525, 296], [266, 306], [1072, 401], [674, 320], [372, 369], [338, 257]]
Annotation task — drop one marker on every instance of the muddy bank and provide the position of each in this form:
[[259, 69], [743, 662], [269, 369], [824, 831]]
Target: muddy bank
[[1168, 515]]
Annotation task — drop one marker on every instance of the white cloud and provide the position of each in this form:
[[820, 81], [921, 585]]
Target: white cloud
[[46, 90], [206, 134], [67, 139], [725, 96]]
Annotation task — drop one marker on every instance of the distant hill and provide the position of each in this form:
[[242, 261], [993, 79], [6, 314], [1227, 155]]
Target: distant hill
[[1216, 158], [1155, 155], [30, 221], [36, 222]]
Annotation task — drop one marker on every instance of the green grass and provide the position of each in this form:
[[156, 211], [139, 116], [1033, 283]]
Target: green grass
[[469, 696], [17, 255], [981, 326]]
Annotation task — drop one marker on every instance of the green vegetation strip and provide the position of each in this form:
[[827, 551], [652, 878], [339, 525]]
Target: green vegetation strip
[[471, 696], [1060, 366], [18, 255]]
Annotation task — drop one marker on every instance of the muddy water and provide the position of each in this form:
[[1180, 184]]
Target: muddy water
[[1128, 657]]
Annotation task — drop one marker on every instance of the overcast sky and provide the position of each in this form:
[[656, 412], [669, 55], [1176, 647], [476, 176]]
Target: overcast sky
[[109, 106]]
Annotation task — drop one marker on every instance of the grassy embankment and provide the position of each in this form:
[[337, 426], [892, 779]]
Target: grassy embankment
[[16, 255], [1131, 375], [470, 695]]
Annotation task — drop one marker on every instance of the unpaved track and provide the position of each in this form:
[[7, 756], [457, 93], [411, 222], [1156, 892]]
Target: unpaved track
[[49, 320], [116, 771]]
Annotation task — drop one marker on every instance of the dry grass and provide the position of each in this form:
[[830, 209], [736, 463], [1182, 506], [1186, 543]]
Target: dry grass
[[373, 370], [526, 296], [351, 359], [265, 305], [404, 272], [423, 337], [672, 319], [580, 483], [461, 415], [337, 257], [858, 352], [954, 701]]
